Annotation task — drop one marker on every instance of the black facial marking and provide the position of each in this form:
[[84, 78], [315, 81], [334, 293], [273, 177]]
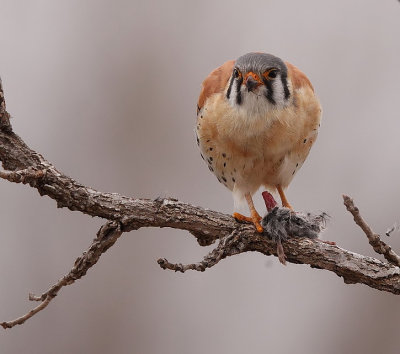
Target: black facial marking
[[239, 94], [233, 180], [228, 93], [270, 91], [197, 139], [305, 140], [223, 178], [223, 154], [224, 164], [210, 168], [211, 149], [293, 172], [210, 159], [285, 86]]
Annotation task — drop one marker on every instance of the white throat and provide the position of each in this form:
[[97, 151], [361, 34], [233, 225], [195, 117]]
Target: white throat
[[254, 104]]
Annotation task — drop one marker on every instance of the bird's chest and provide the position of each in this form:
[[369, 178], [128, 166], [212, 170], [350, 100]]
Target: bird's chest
[[238, 150], [257, 151]]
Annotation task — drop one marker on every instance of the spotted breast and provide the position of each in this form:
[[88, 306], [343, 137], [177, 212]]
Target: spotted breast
[[257, 118]]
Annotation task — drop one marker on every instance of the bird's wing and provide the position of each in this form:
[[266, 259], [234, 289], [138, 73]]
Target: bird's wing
[[215, 82], [298, 78]]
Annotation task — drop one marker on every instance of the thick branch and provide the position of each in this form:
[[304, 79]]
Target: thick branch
[[206, 225], [133, 213]]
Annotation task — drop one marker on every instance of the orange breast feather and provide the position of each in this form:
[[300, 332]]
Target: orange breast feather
[[298, 78]]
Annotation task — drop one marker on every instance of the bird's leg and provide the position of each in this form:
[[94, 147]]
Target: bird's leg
[[255, 218], [285, 202]]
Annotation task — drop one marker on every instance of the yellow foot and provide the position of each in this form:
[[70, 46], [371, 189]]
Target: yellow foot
[[255, 219]]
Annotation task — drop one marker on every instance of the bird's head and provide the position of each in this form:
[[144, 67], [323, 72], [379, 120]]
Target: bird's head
[[258, 84]]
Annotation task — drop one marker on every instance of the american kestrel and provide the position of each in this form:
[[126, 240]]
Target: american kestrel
[[257, 118]]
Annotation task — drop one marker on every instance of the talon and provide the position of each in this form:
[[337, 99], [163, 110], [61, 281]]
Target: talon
[[255, 219], [240, 217], [258, 226]]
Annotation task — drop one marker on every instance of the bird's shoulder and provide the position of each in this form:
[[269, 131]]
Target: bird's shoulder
[[298, 78], [215, 82]]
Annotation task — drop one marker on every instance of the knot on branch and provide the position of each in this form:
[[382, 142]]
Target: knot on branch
[[29, 175], [106, 237]]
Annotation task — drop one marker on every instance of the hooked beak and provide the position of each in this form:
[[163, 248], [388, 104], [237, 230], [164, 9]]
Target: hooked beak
[[252, 82]]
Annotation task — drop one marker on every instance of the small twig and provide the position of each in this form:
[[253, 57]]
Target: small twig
[[22, 319], [106, 237], [227, 246], [374, 239]]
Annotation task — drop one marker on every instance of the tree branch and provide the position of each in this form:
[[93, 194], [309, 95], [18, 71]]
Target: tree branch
[[374, 239], [123, 214], [106, 237]]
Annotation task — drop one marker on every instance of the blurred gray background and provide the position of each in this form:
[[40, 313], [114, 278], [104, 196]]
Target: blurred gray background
[[106, 90]]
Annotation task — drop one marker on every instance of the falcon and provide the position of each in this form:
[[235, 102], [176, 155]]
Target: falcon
[[257, 119]]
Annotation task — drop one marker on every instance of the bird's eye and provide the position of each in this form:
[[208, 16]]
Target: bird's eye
[[272, 73], [236, 73]]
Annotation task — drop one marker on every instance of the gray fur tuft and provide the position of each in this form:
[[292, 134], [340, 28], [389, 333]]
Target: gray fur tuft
[[281, 224]]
